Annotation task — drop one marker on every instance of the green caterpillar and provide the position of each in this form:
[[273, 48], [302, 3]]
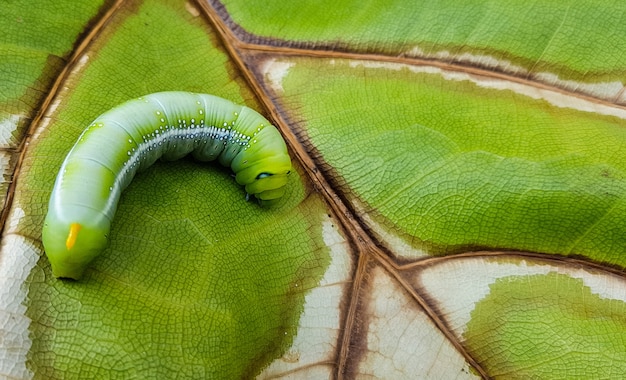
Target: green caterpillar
[[131, 137]]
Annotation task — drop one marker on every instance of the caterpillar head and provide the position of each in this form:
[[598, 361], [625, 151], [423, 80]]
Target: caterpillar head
[[263, 168], [71, 246], [268, 186]]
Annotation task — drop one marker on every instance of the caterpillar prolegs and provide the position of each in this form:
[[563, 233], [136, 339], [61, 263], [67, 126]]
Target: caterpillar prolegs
[[131, 137]]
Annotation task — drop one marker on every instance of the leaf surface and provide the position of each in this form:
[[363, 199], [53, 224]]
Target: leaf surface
[[455, 209]]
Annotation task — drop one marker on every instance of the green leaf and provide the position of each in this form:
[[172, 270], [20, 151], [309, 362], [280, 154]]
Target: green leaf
[[456, 208], [569, 311], [458, 163]]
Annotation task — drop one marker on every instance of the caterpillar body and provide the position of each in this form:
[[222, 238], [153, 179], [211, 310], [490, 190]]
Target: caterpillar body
[[131, 137]]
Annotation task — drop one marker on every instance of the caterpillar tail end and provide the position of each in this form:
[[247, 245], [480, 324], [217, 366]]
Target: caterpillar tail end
[[71, 247], [62, 271], [67, 268]]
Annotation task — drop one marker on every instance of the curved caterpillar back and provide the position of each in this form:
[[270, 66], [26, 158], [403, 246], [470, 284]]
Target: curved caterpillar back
[[131, 137]]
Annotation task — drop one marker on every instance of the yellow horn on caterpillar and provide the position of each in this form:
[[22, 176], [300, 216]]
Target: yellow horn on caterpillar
[[73, 235]]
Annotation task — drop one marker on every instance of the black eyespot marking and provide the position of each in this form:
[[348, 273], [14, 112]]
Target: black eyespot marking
[[264, 175]]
